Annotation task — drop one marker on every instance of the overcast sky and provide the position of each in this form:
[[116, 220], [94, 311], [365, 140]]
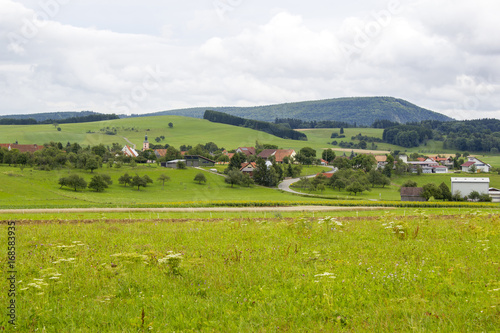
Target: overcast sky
[[129, 56]]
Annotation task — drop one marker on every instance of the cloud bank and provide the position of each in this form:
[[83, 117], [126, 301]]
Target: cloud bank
[[124, 57]]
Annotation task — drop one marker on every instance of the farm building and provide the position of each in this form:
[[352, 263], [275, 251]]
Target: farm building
[[198, 161], [412, 194], [494, 194], [465, 186], [171, 164]]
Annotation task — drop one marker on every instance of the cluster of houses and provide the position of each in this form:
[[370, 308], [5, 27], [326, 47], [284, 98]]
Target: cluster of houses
[[437, 164], [462, 185]]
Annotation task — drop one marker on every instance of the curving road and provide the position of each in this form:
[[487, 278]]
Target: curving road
[[285, 184]]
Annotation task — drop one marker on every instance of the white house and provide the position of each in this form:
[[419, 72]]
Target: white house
[[480, 165], [129, 151], [441, 169], [465, 186]]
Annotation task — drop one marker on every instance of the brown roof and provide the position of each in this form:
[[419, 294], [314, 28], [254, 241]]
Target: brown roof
[[412, 191], [160, 152], [281, 153], [326, 174], [247, 150], [266, 153]]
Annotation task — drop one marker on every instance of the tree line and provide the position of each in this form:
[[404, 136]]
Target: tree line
[[71, 120], [273, 129]]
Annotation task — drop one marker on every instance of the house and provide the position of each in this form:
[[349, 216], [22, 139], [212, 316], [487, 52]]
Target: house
[[22, 148], [160, 153], [480, 165], [381, 161], [412, 194], [440, 169], [464, 186], [267, 153], [326, 174], [129, 151], [282, 153], [427, 165], [323, 162], [198, 161], [248, 168], [246, 150]]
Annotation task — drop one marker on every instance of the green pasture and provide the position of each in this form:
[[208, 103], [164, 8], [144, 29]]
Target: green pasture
[[391, 273], [186, 131], [40, 189], [192, 131]]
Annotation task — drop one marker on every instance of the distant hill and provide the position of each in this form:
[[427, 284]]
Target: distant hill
[[360, 110], [40, 117]]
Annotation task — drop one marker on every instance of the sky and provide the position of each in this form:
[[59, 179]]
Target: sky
[[135, 57]]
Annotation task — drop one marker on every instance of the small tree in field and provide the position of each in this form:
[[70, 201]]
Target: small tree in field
[[125, 179], [73, 181], [98, 183], [200, 177], [163, 178]]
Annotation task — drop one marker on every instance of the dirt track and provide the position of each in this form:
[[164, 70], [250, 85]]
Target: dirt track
[[191, 210]]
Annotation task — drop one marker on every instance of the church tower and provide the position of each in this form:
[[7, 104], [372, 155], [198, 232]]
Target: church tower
[[145, 145]]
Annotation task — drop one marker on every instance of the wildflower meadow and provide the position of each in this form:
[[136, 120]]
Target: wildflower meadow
[[382, 273]]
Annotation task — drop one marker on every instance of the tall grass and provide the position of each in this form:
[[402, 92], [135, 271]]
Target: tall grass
[[246, 274]]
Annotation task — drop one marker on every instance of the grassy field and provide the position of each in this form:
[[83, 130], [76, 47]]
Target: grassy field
[[192, 131], [390, 273], [186, 131], [32, 188]]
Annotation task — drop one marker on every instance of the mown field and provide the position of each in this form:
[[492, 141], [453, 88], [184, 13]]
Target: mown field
[[30, 188], [417, 270]]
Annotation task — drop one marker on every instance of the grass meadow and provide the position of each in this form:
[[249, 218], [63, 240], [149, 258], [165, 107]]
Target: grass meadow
[[421, 270], [186, 131], [31, 188]]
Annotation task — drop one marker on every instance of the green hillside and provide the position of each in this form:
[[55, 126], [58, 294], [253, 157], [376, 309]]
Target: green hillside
[[186, 131], [360, 110]]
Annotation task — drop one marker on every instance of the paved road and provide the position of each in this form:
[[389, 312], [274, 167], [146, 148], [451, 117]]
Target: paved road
[[188, 210], [285, 185]]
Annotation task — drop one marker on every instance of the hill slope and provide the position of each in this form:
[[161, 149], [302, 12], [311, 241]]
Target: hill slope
[[360, 110]]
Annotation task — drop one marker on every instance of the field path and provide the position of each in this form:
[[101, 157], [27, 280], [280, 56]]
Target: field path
[[190, 210]]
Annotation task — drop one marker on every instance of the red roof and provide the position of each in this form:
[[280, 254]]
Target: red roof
[[244, 165], [22, 148], [468, 164], [327, 175]]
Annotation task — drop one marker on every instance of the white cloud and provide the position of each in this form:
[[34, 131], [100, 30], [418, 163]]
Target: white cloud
[[442, 56]]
